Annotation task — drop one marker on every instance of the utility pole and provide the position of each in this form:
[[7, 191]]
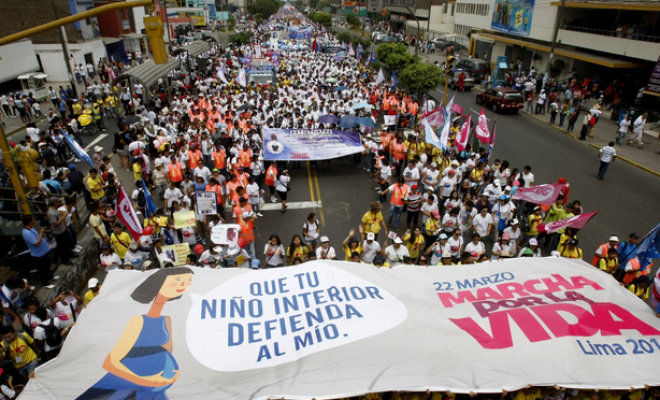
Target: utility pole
[[65, 53], [167, 24], [554, 36]]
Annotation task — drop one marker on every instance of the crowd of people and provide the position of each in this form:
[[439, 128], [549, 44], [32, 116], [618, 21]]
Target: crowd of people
[[207, 137]]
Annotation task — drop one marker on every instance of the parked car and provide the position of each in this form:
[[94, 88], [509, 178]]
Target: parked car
[[468, 82], [378, 37], [501, 98], [457, 47], [476, 67]]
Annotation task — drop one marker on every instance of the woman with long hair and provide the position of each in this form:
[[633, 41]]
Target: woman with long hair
[[141, 364], [274, 252], [296, 250]]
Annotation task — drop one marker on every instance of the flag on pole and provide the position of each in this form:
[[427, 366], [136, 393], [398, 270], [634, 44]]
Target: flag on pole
[[150, 207], [463, 135], [393, 81], [78, 150], [431, 135], [491, 146], [577, 222], [314, 46], [541, 194], [241, 79], [435, 118], [126, 213], [360, 50], [351, 52], [481, 129], [371, 59], [650, 245], [449, 108], [444, 133], [380, 78], [222, 77]]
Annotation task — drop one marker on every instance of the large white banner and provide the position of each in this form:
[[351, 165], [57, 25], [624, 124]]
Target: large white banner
[[334, 329]]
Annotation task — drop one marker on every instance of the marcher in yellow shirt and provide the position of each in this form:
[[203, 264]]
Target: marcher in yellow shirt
[[23, 351], [610, 263], [95, 184], [641, 287], [414, 242], [120, 241], [94, 287], [373, 220], [351, 245]]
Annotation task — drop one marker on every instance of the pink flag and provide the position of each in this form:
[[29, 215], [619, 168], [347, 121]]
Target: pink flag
[[463, 135], [126, 214], [435, 118], [576, 222], [542, 194], [481, 130]]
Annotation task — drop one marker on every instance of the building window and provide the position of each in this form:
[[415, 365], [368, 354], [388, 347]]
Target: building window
[[473, 9], [463, 30]]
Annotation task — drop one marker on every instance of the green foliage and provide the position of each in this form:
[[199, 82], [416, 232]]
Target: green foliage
[[240, 38], [325, 3], [321, 18], [353, 20], [394, 56], [313, 4], [265, 7], [231, 23], [421, 78]]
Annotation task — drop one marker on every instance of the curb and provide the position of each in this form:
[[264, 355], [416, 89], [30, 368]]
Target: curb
[[551, 125], [631, 162]]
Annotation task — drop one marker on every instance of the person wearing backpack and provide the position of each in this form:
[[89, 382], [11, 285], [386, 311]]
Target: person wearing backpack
[[139, 197], [50, 333]]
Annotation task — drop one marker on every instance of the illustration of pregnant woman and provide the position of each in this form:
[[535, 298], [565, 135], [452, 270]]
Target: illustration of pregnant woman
[[141, 365]]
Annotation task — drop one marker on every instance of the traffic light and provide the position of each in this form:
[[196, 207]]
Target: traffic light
[[154, 28], [449, 65]]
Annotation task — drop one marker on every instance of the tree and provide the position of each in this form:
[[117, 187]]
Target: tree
[[353, 20], [265, 7], [421, 78], [321, 18], [313, 4], [395, 56], [240, 37]]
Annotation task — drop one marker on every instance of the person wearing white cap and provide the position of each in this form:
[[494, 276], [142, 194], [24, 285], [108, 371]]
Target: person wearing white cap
[[370, 247], [395, 253], [514, 231], [533, 245], [601, 251], [325, 251], [98, 155], [446, 259], [494, 190], [93, 291]]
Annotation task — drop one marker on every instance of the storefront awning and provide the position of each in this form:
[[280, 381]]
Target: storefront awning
[[604, 61], [149, 72], [194, 49]]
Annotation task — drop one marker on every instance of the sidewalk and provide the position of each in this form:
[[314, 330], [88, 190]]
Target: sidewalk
[[605, 131]]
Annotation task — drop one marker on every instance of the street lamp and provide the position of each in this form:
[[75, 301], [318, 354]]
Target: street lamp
[[407, 7], [374, 7]]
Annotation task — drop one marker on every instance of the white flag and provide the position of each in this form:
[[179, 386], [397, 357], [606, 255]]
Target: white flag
[[242, 78], [444, 134], [222, 77], [380, 78]]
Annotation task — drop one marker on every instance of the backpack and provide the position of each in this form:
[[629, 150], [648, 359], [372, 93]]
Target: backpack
[[141, 199], [52, 334]]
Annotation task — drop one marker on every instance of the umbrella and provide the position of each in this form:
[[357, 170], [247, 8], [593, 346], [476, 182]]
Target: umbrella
[[331, 80], [457, 109], [245, 107], [340, 88], [349, 121], [337, 58], [133, 119], [364, 121], [360, 105], [328, 119]]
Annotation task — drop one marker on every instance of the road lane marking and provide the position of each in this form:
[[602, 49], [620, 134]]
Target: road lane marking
[[98, 139], [292, 205], [318, 196]]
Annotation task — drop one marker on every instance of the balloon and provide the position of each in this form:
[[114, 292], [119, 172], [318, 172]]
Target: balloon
[[199, 249], [516, 183], [241, 242], [424, 158], [148, 230], [513, 190]]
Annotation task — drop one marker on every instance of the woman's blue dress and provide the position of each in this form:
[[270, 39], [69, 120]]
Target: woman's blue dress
[[147, 357]]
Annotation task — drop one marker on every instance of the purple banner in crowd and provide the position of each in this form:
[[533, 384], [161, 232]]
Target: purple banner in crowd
[[309, 144]]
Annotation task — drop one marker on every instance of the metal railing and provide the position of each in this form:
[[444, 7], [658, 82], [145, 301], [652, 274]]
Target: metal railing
[[612, 33]]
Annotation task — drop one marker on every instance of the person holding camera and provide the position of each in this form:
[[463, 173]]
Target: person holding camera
[[282, 187]]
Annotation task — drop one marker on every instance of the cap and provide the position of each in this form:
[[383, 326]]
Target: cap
[[98, 149], [210, 260], [496, 182], [42, 144], [504, 197], [53, 200], [446, 254], [371, 236], [256, 263], [435, 213], [634, 235], [398, 240], [507, 188], [506, 237], [613, 238], [72, 167], [537, 208], [414, 186], [443, 236], [217, 249], [133, 246], [533, 242], [92, 283], [434, 165], [451, 172], [561, 180], [455, 162], [514, 221], [147, 265], [324, 239], [473, 154], [555, 253]]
